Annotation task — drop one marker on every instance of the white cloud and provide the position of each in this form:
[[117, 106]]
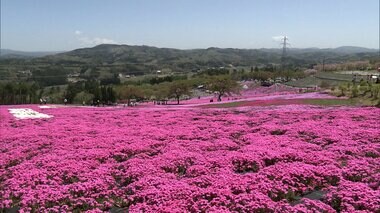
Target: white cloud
[[277, 38], [95, 41], [92, 41]]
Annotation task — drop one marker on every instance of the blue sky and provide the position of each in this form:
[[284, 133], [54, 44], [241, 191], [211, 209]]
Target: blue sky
[[50, 25]]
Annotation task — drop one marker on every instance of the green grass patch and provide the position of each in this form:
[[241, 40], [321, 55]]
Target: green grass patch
[[225, 105], [332, 102], [276, 102]]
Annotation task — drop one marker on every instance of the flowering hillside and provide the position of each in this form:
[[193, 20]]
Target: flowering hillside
[[288, 158]]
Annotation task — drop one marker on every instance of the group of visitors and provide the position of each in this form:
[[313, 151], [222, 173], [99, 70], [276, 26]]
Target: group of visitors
[[43, 101]]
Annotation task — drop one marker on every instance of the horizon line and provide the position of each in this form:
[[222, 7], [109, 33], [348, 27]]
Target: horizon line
[[200, 48]]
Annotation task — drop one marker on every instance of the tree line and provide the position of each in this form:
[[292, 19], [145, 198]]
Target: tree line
[[218, 81], [19, 93], [177, 90]]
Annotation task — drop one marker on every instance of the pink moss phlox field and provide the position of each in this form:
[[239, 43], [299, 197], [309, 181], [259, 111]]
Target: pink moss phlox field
[[268, 159]]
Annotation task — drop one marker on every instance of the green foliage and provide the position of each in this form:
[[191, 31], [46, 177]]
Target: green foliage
[[178, 89], [52, 75], [161, 91], [342, 89], [375, 91], [324, 84], [19, 93], [378, 104], [102, 60], [366, 93], [354, 91], [364, 89], [107, 95], [92, 87], [169, 78], [71, 91], [114, 79], [79, 92], [223, 85], [213, 71], [363, 83], [128, 92]]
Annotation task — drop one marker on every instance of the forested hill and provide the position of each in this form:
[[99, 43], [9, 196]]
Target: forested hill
[[184, 59], [211, 57], [107, 60]]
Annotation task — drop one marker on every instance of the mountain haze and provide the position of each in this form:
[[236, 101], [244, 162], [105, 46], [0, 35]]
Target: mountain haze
[[157, 58], [107, 60], [7, 53]]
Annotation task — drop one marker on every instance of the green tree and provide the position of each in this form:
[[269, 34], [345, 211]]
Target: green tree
[[97, 94], [161, 91], [10, 90], [111, 94], [18, 93], [354, 91], [83, 97], [53, 75], [104, 95], [71, 91], [223, 85], [128, 92], [342, 89], [177, 89], [375, 92]]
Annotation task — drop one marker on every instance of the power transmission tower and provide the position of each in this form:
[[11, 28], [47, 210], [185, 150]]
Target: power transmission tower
[[284, 44]]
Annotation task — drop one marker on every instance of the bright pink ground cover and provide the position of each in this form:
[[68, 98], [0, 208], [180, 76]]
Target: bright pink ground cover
[[268, 159]]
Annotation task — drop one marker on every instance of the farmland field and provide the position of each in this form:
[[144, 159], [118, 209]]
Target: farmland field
[[257, 158]]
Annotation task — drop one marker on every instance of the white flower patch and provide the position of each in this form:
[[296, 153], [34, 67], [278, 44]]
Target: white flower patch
[[25, 113], [47, 107]]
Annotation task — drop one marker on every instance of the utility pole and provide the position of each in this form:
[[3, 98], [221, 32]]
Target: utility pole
[[323, 64]]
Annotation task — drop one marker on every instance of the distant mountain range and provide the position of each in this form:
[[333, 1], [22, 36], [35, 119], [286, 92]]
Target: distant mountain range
[[8, 53], [341, 50], [353, 49], [138, 59], [107, 60], [349, 49]]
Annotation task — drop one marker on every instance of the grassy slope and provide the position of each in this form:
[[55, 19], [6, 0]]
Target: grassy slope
[[276, 102], [332, 79]]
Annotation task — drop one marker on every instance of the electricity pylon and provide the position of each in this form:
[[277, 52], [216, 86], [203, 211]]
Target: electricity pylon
[[284, 44]]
